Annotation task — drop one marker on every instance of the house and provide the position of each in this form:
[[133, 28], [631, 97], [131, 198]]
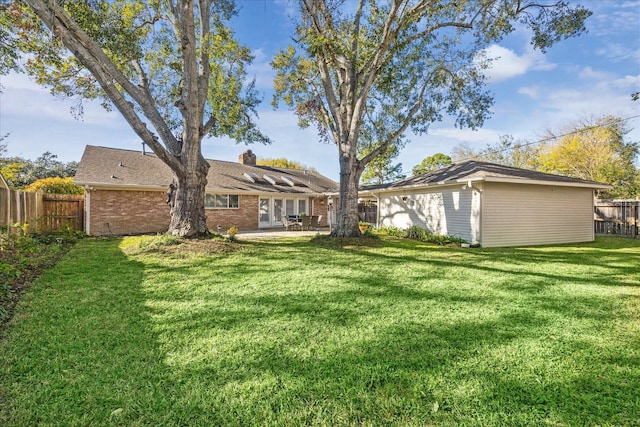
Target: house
[[126, 193], [490, 205]]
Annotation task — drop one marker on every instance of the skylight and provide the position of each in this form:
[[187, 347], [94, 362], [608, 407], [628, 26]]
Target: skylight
[[273, 180], [292, 181], [253, 177]]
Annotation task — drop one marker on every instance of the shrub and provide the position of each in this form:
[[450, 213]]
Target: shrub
[[391, 231], [55, 185], [416, 232]]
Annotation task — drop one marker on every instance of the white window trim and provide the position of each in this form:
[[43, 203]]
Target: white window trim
[[228, 200]]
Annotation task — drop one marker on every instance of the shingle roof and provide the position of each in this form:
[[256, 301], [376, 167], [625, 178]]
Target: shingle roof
[[482, 171], [111, 167]]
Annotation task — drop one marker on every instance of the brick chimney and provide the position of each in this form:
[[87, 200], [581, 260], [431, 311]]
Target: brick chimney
[[247, 158]]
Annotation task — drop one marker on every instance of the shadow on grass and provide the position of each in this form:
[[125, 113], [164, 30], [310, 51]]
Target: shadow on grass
[[368, 349], [82, 349], [333, 336]]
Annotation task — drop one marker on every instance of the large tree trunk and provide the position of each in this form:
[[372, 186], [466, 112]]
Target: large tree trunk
[[187, 202], [347, 215]]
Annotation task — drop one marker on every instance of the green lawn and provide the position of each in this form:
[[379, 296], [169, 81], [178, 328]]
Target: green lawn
[[301, 332]]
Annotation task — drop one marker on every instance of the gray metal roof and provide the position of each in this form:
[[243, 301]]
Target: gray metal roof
[[117, 168], [482, 171]]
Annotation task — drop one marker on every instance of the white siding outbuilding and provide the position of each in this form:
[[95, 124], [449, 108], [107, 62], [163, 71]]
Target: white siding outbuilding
[[491, 205]]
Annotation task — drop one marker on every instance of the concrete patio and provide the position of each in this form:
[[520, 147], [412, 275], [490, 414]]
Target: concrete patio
[[274, 233]]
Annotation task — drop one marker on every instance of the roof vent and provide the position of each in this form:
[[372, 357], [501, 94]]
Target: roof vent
[[114, 177]]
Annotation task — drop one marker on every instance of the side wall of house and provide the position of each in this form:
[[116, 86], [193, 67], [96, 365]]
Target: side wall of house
[[449, 211], [118, 212], [519, 215]]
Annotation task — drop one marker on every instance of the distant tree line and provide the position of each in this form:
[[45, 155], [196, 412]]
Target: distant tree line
[[595, 149], [46, 173]]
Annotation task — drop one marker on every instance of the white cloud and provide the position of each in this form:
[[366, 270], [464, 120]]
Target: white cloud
[[261, 70], [23, 97], [591, 74], [505, 63], [484, 135], [532, 92], [613, 16]]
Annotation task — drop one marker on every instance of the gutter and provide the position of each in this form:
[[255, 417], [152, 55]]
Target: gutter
[[468, 182]]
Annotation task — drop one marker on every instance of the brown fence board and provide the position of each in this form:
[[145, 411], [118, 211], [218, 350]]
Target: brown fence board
[[617, 217], [62, 211], [43, 212]]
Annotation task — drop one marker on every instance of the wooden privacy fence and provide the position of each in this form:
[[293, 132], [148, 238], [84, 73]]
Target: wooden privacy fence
[[42, 212], [62, 211], [617, 217]]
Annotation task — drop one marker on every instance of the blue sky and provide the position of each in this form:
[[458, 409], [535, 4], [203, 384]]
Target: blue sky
[[591, 75]]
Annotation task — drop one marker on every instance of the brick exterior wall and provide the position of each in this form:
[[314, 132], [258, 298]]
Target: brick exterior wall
[[320, 208], [245, 217], [119, 212]]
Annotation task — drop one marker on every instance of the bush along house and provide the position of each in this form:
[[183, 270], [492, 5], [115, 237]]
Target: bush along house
[[126, 193]]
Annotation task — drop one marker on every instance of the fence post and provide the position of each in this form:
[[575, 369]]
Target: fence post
[[635, 220]]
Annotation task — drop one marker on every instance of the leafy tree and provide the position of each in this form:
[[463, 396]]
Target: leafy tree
[[594, 149], [55, 185], [282, 163], [430, 163], [381, 169], [20, 173], [171, 68], [402, 64], [9, 54], [373, 135], [507, 151]]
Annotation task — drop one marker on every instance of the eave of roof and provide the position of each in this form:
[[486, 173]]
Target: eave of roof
[[472, 171]]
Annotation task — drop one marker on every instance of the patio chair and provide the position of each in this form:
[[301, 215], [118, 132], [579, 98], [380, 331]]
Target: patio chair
[[315, 220], [288, 222], [306, 222]]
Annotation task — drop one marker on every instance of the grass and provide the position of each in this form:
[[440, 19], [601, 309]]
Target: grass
[[311, 332]]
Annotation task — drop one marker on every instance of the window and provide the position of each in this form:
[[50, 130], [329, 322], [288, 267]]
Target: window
[[221, 201], [302, 206], [289, 207]]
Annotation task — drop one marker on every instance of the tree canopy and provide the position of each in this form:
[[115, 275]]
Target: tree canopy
[[20, 173], [282, 162], [399, 65], [507, 151], [173, 69], [595, 149], [430, 163]]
